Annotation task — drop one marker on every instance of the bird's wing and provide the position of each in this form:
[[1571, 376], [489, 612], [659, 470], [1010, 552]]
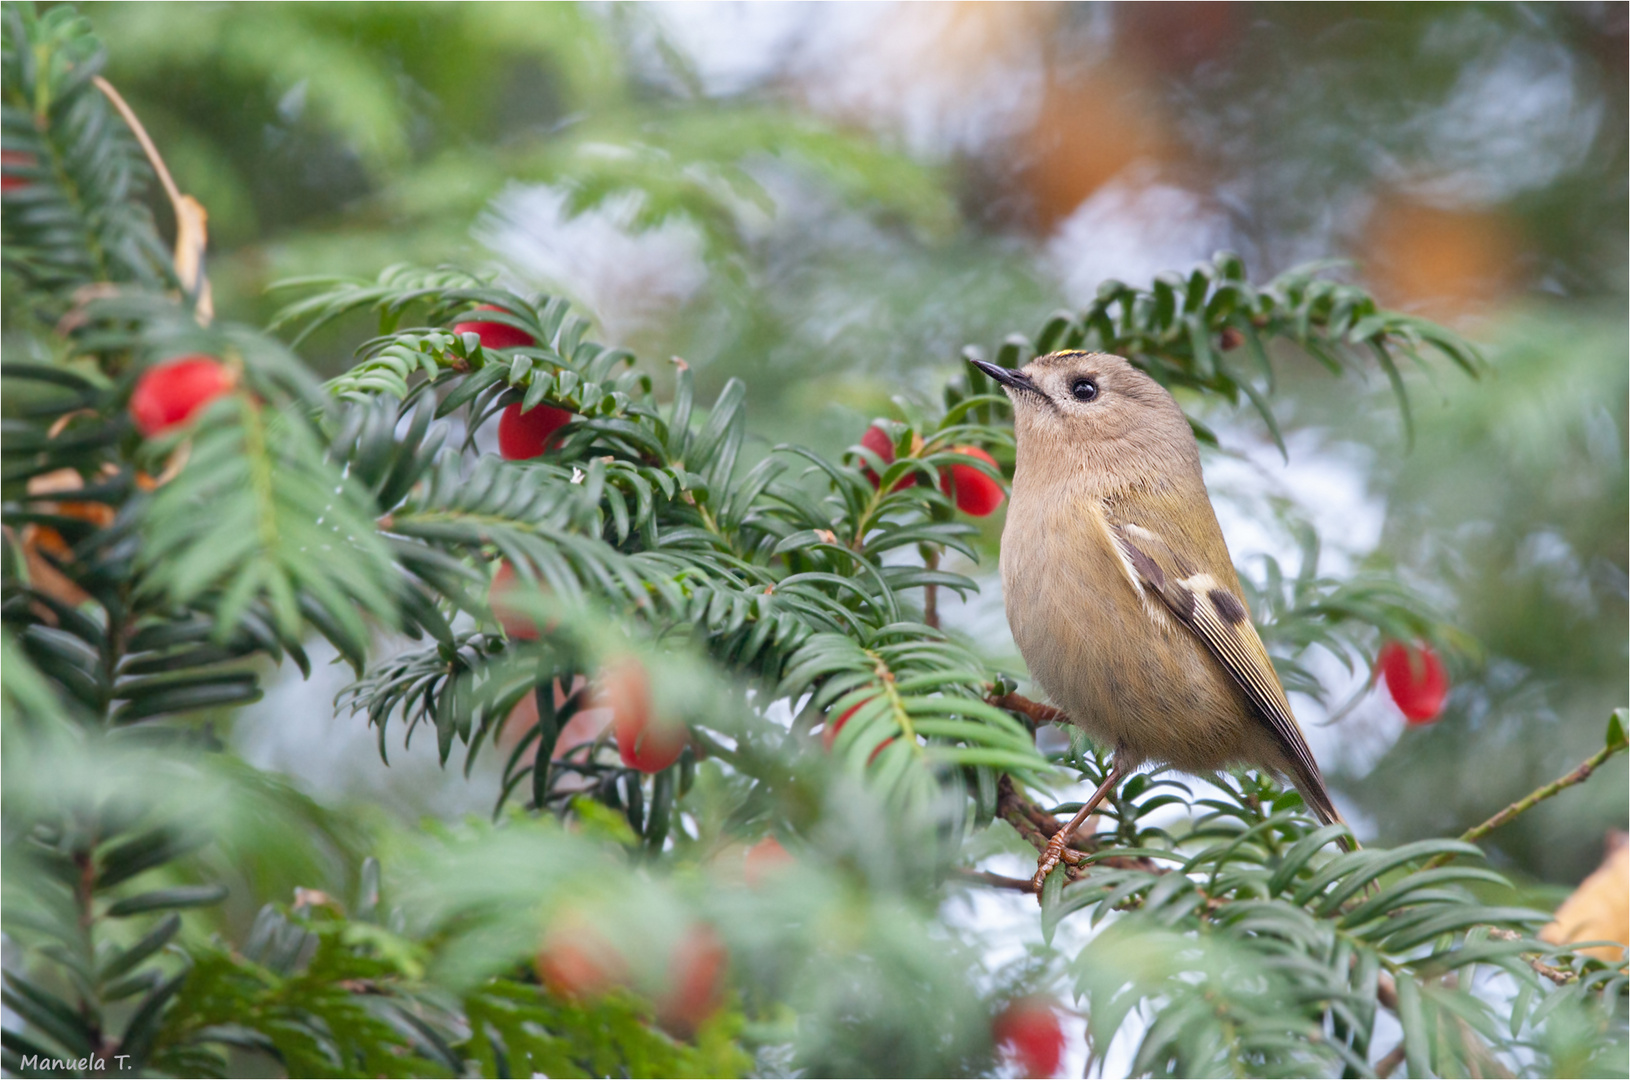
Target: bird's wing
[[1219, 618]]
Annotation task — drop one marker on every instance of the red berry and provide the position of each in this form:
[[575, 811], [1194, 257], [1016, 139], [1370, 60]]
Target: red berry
[[17, 159], [646, 740], [494, 335], [764, 861], [1030, 1033], [524, 435], [577, 961], [878, 442], [171, 393], [695, 979], [1416, 680], [515, 623], [975, 492]]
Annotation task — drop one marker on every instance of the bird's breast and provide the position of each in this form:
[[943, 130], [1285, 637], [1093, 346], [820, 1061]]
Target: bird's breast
[[1103, 650]]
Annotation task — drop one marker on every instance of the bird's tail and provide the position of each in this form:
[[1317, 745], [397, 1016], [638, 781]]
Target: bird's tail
[[1317, 797]]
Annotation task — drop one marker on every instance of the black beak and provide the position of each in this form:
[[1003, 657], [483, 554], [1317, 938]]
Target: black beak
[[1018, 380]]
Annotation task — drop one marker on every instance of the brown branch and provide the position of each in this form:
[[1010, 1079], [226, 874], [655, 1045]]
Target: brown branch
[[1386, 995], [931, 592], [1032, 823], [1478, 1059], [1000, 881], [1386, 991], [1533, 798], [1037, 827], [1555, 974], [1035, 710]]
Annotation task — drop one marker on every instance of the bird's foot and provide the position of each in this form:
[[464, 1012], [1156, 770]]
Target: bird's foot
[[1049, 859], [1057, 845]]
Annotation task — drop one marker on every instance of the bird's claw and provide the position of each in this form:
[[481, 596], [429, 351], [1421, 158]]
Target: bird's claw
[[1049, 859]]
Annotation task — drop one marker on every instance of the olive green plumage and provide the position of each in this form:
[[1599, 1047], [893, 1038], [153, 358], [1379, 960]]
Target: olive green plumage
[[1120, 590]]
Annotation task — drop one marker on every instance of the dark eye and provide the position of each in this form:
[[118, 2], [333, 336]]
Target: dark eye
[[1084, 389]]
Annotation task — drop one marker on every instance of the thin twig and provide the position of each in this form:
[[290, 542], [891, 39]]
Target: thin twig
[[1036, 826], [1533, 798], [1031, 822], [1386, 990], [1386, 995], [1479, 1062], [1555, 974], [1035, 710], [931, 592], [1000, 881], [1578, 776]]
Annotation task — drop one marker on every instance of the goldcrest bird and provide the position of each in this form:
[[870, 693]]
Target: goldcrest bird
[[1120, 591]]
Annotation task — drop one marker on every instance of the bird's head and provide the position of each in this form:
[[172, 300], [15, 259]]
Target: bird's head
[[1094, 410]]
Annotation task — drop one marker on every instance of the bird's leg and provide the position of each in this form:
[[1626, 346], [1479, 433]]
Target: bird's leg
[[1061, 839]]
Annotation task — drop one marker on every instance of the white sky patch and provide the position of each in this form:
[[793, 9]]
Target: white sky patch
[[735, 45], [1131, 229], [1327, 483], [1514, 122], [283, 732], [626, 280], [943, 77]]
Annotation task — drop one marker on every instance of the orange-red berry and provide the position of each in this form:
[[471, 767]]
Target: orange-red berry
[[515, 623], [577, 961], [695, 979], [171, 393], [974, 492], [494, 335], [646, 740], [764, 860], [1029, 1032], [878, 442], [524, 435], [1416, 679]]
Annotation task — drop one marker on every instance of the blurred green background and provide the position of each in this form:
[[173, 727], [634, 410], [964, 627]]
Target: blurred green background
[[829, 200]]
